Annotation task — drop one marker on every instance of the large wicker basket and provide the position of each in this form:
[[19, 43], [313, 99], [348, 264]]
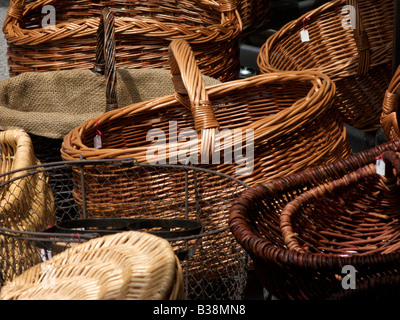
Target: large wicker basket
[[303, 229], [285, 121], [389, 116], [124, 266], [26, 204], [144, 30], [357, 60]]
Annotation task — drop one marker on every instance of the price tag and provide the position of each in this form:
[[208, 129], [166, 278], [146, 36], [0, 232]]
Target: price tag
[[304, 35], [97, 141], [380, 167]]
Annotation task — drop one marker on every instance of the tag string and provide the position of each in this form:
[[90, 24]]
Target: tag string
[[305, 20], [97, 127], [379, 157]]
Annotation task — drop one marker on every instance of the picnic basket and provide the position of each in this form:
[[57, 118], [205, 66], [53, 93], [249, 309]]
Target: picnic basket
[[26, 205], [124, 266], [358, 60], [301, 230], [144, 30], [287, 119], [389, 115]]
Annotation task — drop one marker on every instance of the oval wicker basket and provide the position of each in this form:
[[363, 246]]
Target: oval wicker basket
[[125, 266], [357, 60], [302, 230], [144, 30], [26, 203], [287, 119], [389, 116]]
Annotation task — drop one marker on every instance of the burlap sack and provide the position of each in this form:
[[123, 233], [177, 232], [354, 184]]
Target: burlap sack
[[50, 104]]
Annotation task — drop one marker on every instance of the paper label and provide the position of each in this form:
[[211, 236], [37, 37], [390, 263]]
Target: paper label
[[304, 35], [380, 167], [97, 141]]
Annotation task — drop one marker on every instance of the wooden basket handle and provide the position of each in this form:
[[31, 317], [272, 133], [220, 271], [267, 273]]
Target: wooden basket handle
[[390, 111], [106, 56], [189, 84], [362, 41]]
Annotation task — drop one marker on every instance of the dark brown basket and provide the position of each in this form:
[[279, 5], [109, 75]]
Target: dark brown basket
[[358, 60], [144, 30], [303, 229]]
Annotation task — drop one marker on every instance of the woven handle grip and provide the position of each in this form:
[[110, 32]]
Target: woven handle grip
[[362, 41], [390, 113], [188, 81], [105, 56]]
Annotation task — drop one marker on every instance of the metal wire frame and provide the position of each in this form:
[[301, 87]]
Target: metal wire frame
[[214, 264]]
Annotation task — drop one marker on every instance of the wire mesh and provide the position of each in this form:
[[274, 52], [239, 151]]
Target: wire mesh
[[110, 191]]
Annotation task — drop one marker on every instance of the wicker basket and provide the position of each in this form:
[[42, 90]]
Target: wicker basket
[[47, 105], [389, 116], [303, 229], [286, 118], [143, 30], [358, 61], [125, 266], [191, 213], [26, 204]]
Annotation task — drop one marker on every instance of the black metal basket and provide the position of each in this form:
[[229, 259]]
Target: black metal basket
[[188, 206]]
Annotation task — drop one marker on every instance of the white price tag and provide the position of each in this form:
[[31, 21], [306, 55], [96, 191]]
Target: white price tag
[[97, 141], [380, 167], [304, 35]]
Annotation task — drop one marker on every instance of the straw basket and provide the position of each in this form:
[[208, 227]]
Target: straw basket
[[271, 125], [125, 266], [144, 30], [302, 231], [389, 116], [26, 202], [185, 205], [357, 60]]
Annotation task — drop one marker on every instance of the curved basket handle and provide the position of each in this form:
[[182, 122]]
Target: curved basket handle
[[390, 113], [362, 41], [187, 80], [14, 13], [105, 56]]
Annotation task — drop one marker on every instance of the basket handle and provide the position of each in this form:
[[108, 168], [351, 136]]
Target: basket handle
[[105, 56], [227, 8], [390, 113], [188, 83], [362, 41], [14, 13]]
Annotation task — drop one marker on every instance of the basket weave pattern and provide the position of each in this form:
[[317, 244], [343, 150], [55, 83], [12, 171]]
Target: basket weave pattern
[[357, 60]]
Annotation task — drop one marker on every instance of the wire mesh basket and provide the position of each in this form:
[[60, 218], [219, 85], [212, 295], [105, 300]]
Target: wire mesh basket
[[188, 206]]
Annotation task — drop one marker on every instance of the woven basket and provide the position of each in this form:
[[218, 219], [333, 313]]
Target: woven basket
[[25, 204], [143, 30], [125, 266], [47, 105], [290, 116], [358, 61], [186, 205], [303, 229], [389, 116]]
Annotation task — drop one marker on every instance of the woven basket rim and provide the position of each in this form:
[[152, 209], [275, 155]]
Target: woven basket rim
[[323, 90]]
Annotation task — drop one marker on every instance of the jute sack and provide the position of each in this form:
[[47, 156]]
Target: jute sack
[[50, 104]]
